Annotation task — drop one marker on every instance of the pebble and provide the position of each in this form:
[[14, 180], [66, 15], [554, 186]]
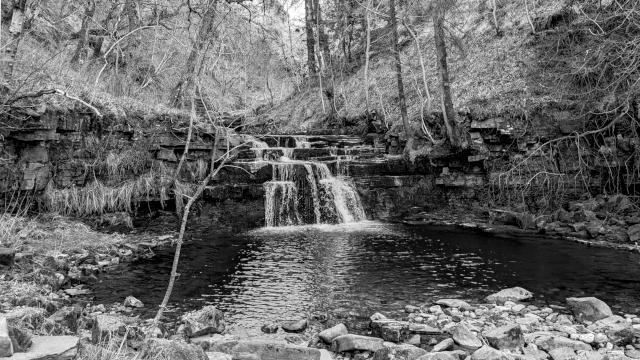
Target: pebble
[[131, 301], [601, 338], [270, 328], [632, 353], [411, 309]]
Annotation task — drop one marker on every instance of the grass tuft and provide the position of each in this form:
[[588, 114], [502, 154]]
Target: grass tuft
[[97, 198]]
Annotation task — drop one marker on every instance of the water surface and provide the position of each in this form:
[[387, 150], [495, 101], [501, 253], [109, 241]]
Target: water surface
[[268, 275]]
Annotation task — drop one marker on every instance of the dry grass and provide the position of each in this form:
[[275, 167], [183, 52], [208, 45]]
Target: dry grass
[[119, 165], [97, 198], [20, 289], [114, 349], [57, 234], [13, 229]]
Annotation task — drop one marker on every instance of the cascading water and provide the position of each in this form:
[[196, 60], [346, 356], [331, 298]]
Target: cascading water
[[306, 192]]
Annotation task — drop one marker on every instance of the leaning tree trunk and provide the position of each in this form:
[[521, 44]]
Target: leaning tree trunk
[[185, 88], [309, 16], [396, 53], [447, 104]]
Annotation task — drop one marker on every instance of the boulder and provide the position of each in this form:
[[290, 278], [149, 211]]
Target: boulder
[[21, 340], [6, 345], [616, 328], [377, 316], [589, 308], [489, 353], [169, 349], [617, 203], [219, 356], [563, 353], [389, 330], [531, 351], [455, 303], [634, 233], [511, 294], [548, 341], [49, 348], [266, 350], [465, 338], [331, 333], [590, 355], [207, 320], [632, 353], [423, 329], [295, 326], [107, 327], [443, 355], [352, 342], [67, 316], [131, 301], [399, 352], [443, 345], [505, 337]]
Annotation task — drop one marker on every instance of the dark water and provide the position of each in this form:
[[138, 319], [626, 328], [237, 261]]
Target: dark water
[[270, 275]]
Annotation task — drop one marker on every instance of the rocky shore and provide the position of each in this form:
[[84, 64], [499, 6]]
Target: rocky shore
[[504, 326], [603, 221]]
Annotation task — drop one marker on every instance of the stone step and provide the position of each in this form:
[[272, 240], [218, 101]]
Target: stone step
[[382, 166], [312, 141], [321, 154], [389, 181]]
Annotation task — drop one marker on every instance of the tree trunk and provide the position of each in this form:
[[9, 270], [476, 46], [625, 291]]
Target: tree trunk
[[366, 54], [309, 21], [82, 42], [97, 41], [185, 88], [396, 53], [132, 14], [15, 29], [447, 104], [323, 39]]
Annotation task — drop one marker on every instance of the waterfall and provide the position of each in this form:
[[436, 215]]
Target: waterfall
[[306, 192]]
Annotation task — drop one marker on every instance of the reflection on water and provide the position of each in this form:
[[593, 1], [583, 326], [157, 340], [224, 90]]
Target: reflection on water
[[281, 273]]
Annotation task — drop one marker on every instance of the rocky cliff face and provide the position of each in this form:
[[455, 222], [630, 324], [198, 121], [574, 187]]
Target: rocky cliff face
[[78, 157]]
